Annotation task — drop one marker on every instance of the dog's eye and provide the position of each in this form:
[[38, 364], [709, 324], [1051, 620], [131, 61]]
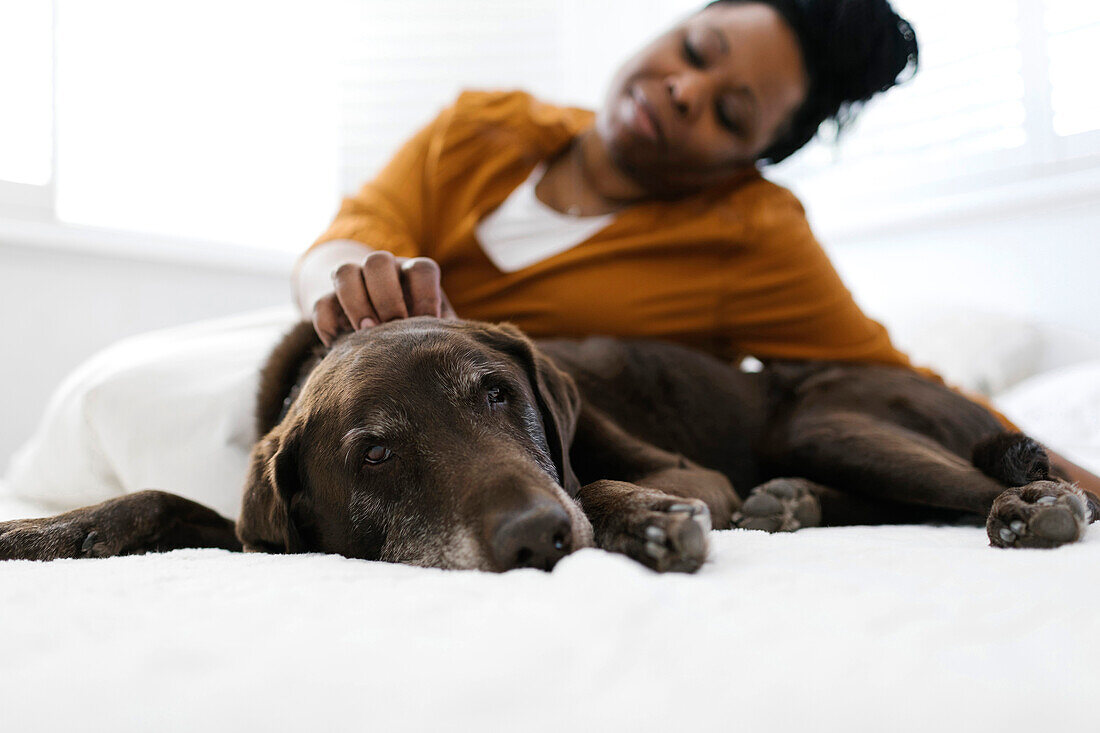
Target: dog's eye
[[377, 454], [496, 396]]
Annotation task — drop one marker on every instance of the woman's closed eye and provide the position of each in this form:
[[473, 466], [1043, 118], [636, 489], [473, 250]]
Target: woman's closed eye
[[726, 119], [731, 122], [691, 54]]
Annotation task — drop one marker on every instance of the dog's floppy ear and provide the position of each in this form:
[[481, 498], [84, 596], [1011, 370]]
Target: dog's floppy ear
[[283, 373], [558, 399], [271, 493]]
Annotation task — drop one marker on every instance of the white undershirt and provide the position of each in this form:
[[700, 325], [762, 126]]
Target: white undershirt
[[523, 230]]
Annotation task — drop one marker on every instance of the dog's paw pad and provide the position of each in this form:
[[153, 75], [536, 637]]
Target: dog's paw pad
[[674, 536], [780, 505], [656, 539], [657, 551], [1040, 514], [698, 512]]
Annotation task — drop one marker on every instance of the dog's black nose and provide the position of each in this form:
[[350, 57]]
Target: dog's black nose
[[536, 537]]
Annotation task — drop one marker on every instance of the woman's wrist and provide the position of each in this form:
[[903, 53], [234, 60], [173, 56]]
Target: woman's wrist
[[312, 277]]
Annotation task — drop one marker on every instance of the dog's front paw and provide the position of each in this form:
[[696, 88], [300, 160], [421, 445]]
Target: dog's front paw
[[51, 538], [663, 532], [1040, 514], [674, 533], [780, 505]]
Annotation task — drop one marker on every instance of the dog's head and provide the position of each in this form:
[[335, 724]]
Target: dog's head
[[423, 441]]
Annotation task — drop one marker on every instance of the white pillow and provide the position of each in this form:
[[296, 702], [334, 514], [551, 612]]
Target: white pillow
[[979, 352], [171, 409], [982, 351]]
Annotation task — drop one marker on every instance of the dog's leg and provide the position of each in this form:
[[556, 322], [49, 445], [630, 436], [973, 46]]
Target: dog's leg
[[883, 461], [1041, 509], [661, 531], [603, 450], [651, 505], [147, 521]]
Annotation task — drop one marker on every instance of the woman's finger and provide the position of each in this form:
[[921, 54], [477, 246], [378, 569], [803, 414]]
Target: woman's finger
[[384, 286], [351, 292], [446, 309], [329, 319], [420, 276]]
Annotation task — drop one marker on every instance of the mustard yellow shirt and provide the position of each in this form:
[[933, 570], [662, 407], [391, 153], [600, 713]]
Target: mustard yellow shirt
[[733, 270]]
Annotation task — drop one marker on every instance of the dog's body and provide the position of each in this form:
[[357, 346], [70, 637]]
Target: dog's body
[[458, 444]]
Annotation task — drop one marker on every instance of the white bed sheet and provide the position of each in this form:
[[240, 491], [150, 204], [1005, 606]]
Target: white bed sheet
[[843, 629]]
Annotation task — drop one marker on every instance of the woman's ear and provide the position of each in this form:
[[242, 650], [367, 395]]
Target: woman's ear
[[558, 399], [271, 494]]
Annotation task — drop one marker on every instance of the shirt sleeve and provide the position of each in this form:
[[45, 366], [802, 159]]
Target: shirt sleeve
[[786, 299], [391, 211]]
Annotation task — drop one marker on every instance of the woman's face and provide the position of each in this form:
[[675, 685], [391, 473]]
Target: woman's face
[[702, 101]]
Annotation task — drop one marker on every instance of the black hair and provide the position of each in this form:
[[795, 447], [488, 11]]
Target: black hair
[[852, 50]]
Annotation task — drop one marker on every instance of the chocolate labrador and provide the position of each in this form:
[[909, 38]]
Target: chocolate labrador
[[459, 444]]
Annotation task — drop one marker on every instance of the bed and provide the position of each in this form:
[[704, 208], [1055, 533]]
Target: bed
[[910, 628]]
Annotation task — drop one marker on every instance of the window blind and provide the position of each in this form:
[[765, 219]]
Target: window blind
[[404, 61]]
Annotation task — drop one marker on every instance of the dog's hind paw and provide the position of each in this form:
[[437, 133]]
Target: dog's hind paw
[[780, 505], [48, 539], [1041, 514]]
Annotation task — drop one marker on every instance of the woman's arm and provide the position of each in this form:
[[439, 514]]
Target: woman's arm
[[787, 300], [370, 265], [313, 274]]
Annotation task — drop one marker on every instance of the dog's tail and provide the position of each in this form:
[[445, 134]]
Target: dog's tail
[[1012, 458]]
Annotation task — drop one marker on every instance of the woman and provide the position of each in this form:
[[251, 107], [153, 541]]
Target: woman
[[648, 218]]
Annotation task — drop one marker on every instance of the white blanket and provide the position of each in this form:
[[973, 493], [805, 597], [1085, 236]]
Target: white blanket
[[844, 629]]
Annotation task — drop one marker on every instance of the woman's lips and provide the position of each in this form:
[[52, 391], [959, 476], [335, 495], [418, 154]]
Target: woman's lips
[[642, 117]]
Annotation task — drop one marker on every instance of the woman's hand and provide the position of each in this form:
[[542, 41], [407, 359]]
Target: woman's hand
[[380, 288]]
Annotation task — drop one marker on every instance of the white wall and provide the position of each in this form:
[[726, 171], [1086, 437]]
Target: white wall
[[1040, 263], [59, 307]]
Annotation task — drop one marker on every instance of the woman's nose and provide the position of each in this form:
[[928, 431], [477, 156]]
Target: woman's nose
[[687, 91]]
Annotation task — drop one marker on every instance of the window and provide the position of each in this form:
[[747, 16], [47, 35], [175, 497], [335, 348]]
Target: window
[[1072, 31], [211, 120]]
